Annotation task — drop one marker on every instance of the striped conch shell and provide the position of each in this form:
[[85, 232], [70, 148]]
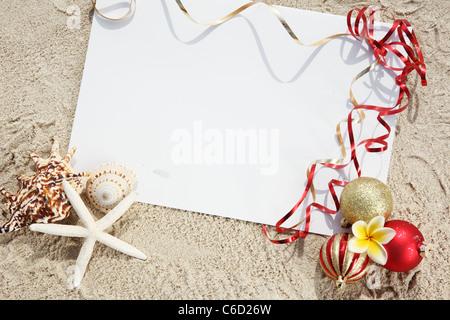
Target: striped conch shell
[[339, 263], [41, 198], [109, 184]]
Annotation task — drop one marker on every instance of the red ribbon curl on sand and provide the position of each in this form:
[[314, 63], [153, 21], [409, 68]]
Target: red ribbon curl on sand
[[362, 29]]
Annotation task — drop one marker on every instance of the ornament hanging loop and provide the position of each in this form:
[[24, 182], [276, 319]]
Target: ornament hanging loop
[[423, 250], [340, 283]]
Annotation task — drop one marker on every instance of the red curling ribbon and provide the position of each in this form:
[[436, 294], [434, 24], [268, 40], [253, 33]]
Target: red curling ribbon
[[297, 233], [363, 29], [381, 47]]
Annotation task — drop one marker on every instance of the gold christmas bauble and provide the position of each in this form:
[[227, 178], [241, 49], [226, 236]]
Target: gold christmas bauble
[[363, 199]]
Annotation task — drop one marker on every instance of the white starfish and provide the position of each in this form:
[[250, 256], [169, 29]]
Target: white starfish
[[93, 230]]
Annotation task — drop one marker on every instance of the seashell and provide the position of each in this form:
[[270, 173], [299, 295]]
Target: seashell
[[339, 263], [41, 198], [109, 184]]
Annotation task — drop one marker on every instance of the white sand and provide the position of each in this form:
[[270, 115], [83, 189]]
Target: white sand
[[197, 256]]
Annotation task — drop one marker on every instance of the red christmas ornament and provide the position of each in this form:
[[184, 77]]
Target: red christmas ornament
[[406, 249], [339, 263]]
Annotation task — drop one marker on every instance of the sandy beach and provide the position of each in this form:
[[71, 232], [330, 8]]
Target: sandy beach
[[200, 256]]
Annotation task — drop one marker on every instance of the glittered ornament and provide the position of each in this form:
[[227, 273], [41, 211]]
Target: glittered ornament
[[363, 199], [339, 263], [407, 249]]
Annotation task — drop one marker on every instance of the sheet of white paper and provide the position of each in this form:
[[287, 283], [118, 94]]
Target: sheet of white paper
[[225, 120]]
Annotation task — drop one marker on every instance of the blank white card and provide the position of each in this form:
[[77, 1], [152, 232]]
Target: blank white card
[[225, 120]]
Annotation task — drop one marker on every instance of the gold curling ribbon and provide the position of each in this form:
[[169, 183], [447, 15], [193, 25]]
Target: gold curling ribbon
[[362, 116], [297, 40], [273, 9], [127, 15]]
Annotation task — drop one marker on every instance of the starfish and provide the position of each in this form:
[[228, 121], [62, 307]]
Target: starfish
[[92, 230]]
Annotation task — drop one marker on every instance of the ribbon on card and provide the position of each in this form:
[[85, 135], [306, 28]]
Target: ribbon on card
[[412, 61]]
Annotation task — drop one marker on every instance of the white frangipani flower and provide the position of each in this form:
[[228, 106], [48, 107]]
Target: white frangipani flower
[[371, 237]]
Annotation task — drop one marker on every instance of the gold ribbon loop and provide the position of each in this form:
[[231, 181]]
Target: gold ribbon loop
[[273, 9], [131, 9], [362, 116]]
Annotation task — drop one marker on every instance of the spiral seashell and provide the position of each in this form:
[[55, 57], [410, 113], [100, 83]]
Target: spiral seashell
[[339, 263], [108, 184]]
